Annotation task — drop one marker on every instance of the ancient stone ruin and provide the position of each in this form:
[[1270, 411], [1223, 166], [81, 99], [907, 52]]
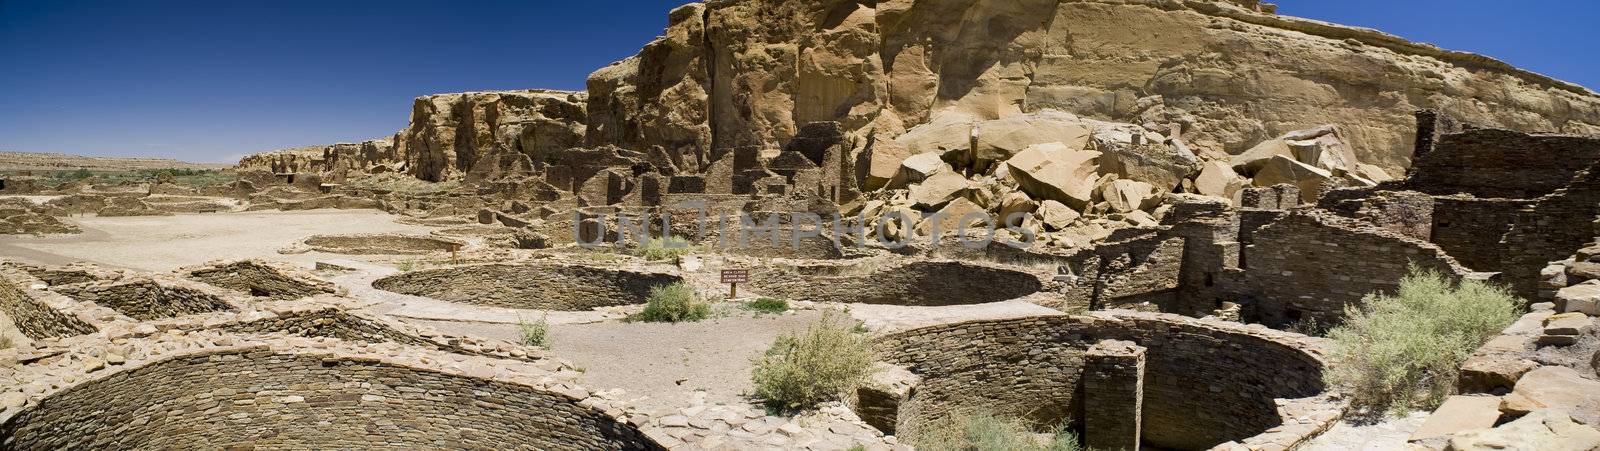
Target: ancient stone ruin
[[1124, 224]]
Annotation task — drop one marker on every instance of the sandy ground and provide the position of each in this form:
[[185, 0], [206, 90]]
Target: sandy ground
[[164, 243], [664, 364]]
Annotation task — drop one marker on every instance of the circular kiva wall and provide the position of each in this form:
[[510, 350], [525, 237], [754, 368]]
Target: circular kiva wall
[[923, 283], [1205, 382], [539, 286], [257, 399], [381, 244]]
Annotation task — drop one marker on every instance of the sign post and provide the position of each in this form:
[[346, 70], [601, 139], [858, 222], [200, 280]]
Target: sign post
[[734, 277]]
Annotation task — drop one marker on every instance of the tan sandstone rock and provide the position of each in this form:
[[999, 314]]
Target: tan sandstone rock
[[1543, 430], [933, 193], [1129, 195], [1280, 169], [1218, 179], [1054, 172]]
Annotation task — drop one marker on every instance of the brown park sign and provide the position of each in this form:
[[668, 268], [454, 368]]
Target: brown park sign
[[735, 275]]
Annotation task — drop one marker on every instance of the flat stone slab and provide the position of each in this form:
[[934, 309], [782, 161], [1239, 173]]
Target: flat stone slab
[[1583, 297], [1459, 413], [1556, 387], [1572, 323]]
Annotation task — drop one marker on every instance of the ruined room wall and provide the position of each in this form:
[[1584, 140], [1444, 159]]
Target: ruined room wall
[[1554, 228], [1499, 163], [1310, 264], [32, 316], [924, 283], [261, 399], [1129, 273], [146, 300], [1471, 229], [1206, 382], [544, 287], [260, 279]]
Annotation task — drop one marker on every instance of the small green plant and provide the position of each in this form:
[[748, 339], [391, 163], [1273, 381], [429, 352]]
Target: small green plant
[[5, 342], [985, 431], [820, 365], [406, 266], [535, 333], [1399, 353], [674, 303], [768, 305], [665, 249]]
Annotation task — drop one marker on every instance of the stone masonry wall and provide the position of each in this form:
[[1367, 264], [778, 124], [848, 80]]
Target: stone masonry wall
[[923, 283], [1113, 391], [1471, 229], [1207, 382], [261, 279], [1499, 163], [32, 316], [544, 287], [146, 300], [1552, 229], [1310, 264], [258, 398]]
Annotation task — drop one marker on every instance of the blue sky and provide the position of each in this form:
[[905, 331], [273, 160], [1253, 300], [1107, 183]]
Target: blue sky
[[212, 80]]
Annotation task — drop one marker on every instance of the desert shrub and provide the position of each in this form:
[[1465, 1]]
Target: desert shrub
[[662, 249], [821, 364], [985, 431], [5, 342], [673, 304], [535, 333], [1398, 353], [768, 305]]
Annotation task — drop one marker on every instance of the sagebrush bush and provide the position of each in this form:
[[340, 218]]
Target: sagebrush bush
[[536, 333], [668, 248], [820, 365], [768, 305], [985, 431], [1399, 353], [674, 303]]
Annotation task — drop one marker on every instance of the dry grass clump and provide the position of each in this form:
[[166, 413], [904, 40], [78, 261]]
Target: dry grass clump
[[536, 333], [822, 364], [665, 249], [1400, 353], [674, 303], [768, 305], [985, 431]]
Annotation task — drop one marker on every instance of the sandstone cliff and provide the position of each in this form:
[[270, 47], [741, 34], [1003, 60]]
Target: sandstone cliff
[[1212, 77], [1226, 75]]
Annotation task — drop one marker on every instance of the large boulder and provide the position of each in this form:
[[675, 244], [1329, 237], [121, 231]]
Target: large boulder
[[1279, 170], [1016, 203], [1000, 139], [883, 163], [1054, 171], [1129, 195], [1218, 179], [933, 193], [1056, 216]]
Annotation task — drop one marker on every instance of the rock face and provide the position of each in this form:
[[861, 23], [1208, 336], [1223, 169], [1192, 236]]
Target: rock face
[[1228, 76], [978, 78]]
